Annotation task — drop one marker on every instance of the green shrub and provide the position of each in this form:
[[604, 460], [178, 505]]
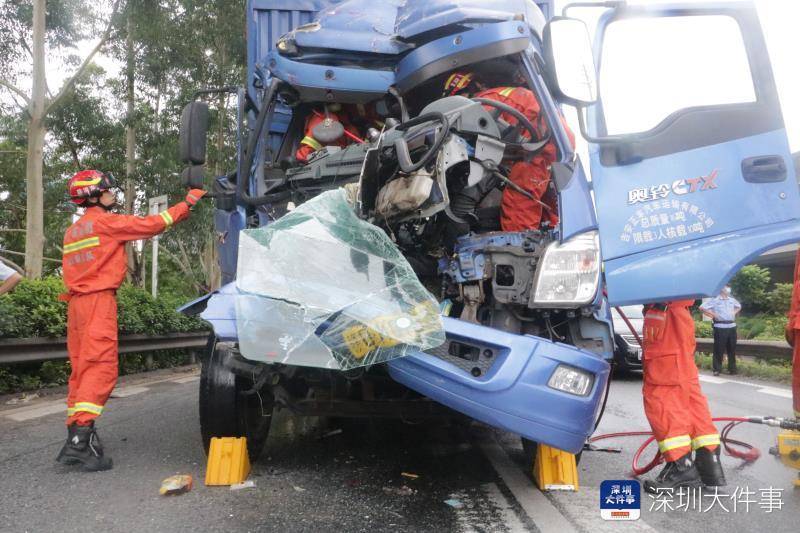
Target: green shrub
[[703, 330], [33, 310], [779, 299], [749, 286]]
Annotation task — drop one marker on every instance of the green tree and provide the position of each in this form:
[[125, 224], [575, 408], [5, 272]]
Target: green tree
[[749, 286], [34, 23]]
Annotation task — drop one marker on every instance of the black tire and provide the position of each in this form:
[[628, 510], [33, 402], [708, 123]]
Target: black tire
[[224, 411]]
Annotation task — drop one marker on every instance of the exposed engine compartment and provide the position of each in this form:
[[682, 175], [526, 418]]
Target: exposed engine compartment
[[434, 184]]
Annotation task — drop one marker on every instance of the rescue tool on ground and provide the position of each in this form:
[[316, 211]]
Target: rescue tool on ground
[[94, 267]]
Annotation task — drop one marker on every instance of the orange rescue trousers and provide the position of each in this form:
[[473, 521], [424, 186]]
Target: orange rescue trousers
[[673, 402], [92, 346]]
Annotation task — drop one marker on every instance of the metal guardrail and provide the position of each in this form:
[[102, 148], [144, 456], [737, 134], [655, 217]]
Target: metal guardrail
[[46, 349], [759, 349]]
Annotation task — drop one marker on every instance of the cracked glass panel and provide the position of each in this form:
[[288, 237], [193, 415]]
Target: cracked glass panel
[[321, 287]]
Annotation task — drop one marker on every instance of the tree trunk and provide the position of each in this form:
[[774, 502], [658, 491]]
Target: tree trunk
[[130, 146], [34, 237], [219, 169]]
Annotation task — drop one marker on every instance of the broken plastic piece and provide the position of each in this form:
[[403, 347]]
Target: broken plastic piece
[[321, 287], [456, 504], [176, 485], [249, 484]]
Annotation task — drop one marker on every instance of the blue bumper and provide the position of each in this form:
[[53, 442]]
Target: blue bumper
[[513, 395]]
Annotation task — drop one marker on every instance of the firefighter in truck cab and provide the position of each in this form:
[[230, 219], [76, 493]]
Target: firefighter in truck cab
[[94, 266]]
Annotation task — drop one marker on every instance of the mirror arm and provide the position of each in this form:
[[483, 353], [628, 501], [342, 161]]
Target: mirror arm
[[606, 140], [215, 90], [241, 184]]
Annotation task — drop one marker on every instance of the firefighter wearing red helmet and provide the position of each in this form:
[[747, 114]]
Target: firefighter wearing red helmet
[[519, 211], [94, 266]]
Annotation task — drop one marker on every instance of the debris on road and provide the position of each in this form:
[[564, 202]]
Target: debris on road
[[331, 433], [409, 475], [299, 489], [455, 504], [404, 490], [249, 484], [176, 485]]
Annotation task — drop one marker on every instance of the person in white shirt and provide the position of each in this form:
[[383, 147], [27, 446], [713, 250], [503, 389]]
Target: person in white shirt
[[723, 310], [9, 278]]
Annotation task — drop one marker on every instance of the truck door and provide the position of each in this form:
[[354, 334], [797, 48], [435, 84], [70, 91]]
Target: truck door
[[691, 168]]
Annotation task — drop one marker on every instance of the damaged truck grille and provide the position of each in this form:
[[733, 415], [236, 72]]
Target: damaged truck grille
[[473, 359]]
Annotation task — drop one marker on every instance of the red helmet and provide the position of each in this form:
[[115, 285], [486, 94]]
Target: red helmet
[[89, 184], [457, 82]]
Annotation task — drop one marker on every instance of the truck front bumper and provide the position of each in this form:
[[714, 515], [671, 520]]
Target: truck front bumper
[[513, 394]]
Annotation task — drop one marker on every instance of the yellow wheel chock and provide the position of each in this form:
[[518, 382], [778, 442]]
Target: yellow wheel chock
[[555, 469], [228, 462]]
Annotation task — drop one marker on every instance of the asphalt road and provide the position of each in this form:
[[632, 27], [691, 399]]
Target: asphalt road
[[353, 480]]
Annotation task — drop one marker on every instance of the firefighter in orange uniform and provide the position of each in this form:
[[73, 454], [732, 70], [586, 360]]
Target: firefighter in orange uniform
[[673, 402], [791, 334], [519, 212], [94, 266]]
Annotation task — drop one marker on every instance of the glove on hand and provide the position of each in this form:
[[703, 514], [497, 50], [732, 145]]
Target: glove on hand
[[194, 196]]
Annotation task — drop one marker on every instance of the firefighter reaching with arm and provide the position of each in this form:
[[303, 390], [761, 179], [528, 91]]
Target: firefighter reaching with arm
[[94, 266]]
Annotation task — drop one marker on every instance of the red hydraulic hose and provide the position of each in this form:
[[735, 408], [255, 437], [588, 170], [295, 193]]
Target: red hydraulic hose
[[630, 326], [750, 454]]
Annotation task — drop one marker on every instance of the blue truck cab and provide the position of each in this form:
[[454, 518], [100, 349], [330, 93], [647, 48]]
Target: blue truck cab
[[676, 204]]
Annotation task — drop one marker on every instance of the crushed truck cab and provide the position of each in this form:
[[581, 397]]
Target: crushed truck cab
[[350, 95]]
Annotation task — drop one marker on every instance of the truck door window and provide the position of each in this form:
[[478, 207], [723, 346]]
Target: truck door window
[[653, 67]]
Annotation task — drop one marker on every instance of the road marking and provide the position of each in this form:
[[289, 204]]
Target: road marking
[[21, 414], [187, 379], [28, 413], [124, 392], [774, 391], [710, 379], [507, 514], [535, 504], [783, 393], [584, 508]]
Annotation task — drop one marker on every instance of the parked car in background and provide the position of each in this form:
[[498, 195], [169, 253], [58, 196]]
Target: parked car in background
[[627, 351]]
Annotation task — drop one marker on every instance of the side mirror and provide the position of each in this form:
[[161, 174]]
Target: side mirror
[[570, 61], [194, 133]]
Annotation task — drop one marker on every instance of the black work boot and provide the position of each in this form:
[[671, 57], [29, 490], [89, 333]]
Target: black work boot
[[678, 473], [709, 467], [83, 446]]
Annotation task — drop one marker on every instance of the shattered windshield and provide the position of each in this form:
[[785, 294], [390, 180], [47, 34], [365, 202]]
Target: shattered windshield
[[321, 287]]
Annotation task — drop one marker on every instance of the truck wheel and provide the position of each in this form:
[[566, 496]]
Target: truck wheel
[[529, 449], [224, 410]]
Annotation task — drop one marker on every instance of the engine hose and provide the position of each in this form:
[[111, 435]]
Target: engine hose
[[749, 455]]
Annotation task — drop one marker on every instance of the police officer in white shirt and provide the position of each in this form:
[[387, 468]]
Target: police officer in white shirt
[[723, 310], [9, 278]]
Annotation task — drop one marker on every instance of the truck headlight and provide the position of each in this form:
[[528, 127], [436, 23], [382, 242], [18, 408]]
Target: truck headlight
[[571, 380], [569, 272]]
